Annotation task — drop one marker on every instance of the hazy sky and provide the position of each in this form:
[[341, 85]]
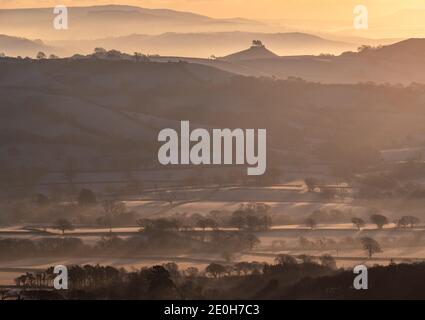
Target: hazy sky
[[259, 9]]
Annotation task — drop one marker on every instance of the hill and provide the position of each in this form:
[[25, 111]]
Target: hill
[[110, 111], [256, 51], [113, 20], [14, 46], [205, 44], [401, 62]]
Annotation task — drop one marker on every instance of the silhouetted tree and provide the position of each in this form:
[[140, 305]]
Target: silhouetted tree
[[371, 246], [206, 223], [379, 220], [112, 210], [407, 221], [251, 240], [285, 259], [215, 269], [41, 55], [63, 224], [328, 261]]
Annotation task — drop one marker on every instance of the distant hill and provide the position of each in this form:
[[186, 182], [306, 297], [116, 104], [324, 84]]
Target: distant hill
[[112, 20], [20, 46], [402, 62], [410, 50], [256, 51], [205, 44]]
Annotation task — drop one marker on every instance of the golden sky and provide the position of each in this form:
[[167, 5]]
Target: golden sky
[[257, 9]]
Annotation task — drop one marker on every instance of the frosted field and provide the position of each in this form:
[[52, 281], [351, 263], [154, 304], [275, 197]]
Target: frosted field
[[287, 209]]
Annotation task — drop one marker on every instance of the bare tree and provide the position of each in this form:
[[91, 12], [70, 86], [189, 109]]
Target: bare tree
[[112, 209], [371, 246], [63, 224]]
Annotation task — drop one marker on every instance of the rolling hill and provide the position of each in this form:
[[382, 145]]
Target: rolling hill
[[402, 62], [104, 112], [13, 46], [255, 52], [205, 44], [112, 20]]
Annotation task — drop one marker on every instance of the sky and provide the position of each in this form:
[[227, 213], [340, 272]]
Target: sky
[[254, 9]]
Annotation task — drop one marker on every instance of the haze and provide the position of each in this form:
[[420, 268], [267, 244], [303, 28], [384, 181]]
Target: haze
[[254, 9], [388, 19]]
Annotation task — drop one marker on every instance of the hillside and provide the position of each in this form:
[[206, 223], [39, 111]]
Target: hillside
[[55, 109], [402, 62], [13, 46], [109, 111]]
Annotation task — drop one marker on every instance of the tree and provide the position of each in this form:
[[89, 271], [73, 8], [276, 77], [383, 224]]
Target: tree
[[242, 267], [41, 55], [306, 258], [206, 223], [371, 246], [237, 220], [285, 260], [253, 222], [2, 55], [407, 221], [100, 50], [138, 57], [328, 261], [215, 269], [358, 222], [379, 220], [158, 225], [251, 240], [191, 272], [311, 223], [86, 197], [112, 209], [63, 224], [53, 56], [257, 43], [311, 183]]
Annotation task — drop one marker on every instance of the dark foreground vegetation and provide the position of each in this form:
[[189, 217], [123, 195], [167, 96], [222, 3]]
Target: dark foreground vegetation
[[288, 278]]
